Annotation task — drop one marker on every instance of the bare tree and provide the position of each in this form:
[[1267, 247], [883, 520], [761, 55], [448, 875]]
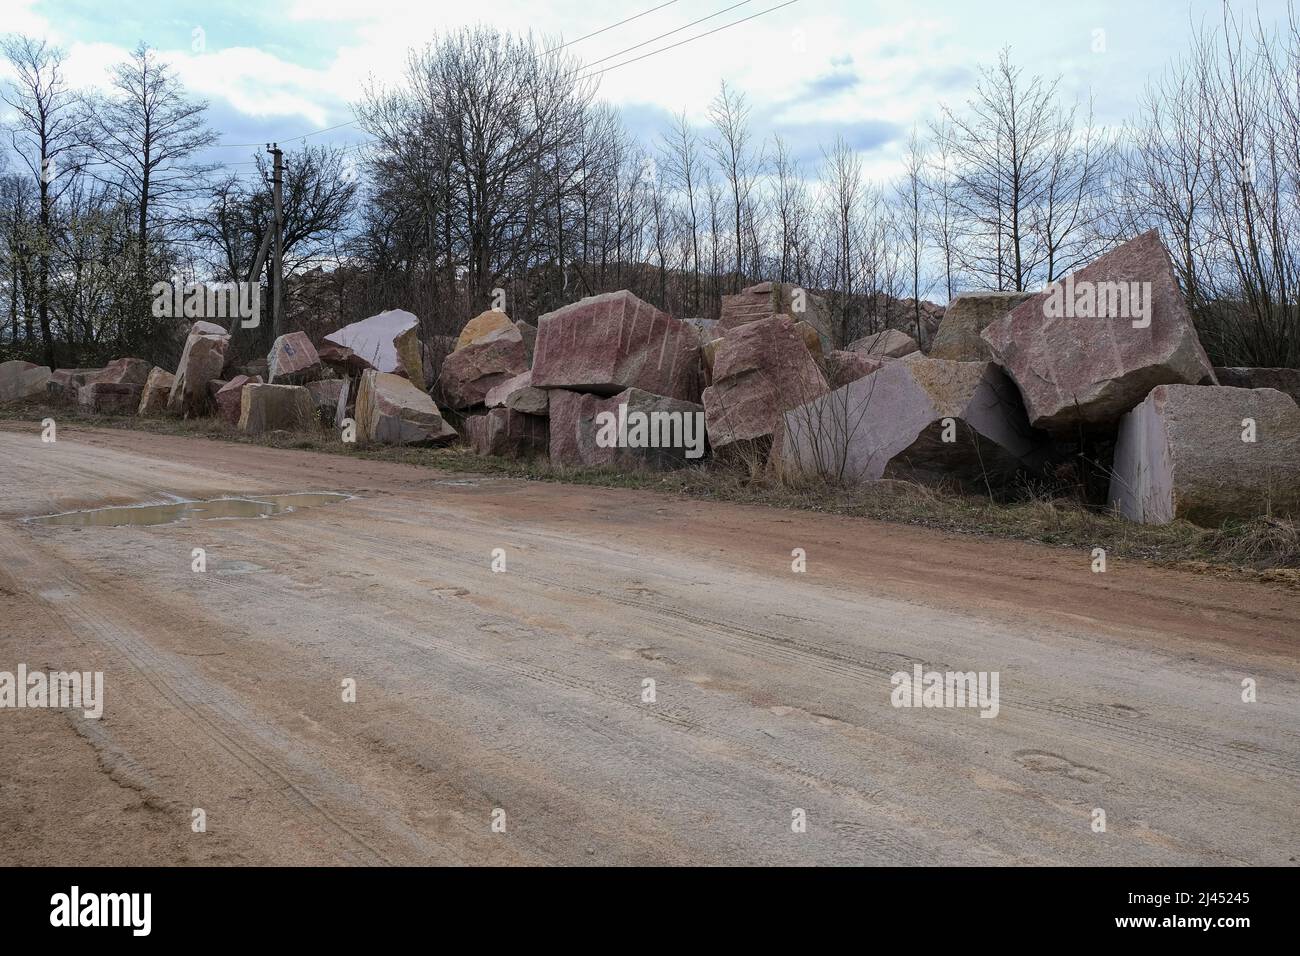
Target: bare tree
[[145, 133], [47, 135], [729, 113]]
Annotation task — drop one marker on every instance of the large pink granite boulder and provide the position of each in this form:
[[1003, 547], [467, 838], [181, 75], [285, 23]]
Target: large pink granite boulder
[[473, 370], [611, 342], [201, 362], [265, 408], [760, 370], [965, 319], [842, 367], [1089, 348], [23, 381], [387, 342], [293, 360], [230, 397], [122, 371], [775, 298], [65, 384], [391, 410], [631, 429], [483, 327], [507, 434], [1183, 453], [888, 344], [157, 390], [110, 398], [520, 394], [925, 420]]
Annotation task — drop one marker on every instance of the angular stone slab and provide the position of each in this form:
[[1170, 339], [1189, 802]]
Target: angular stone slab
[[843, 367], [888, 344], [1283, 379], [65, 384], [110, 398], [483, 327], [519, 394], [265, 408], [967, 316], [923, 420], [1181, 454], [23, 381], [575, 425], [776, 298], [1079, 370], [122, 371], [391, 410], [508, 434], [611, 342], [472, 371], [325, 395], [382, 342], [157, 390], [201, 362], [760, 370], [230, 397], [293, 360]]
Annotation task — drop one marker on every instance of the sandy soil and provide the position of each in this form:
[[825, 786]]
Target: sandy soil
[[522, 691]]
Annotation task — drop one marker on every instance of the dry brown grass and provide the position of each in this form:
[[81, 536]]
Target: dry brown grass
[[1266, 548]]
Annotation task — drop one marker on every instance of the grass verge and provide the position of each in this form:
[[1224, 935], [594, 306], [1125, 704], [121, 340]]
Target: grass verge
[[1262, 548]]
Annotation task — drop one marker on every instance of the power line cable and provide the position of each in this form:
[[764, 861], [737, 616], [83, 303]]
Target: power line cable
[[587, 66], [700, 36], [610, 27]]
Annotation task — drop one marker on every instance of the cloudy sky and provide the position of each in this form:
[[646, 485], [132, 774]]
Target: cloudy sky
[[864, 69]]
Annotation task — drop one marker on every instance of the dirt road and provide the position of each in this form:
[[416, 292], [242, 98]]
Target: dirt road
[[479, 692]]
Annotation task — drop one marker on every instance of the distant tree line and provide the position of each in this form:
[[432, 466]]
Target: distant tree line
[[495, 165]]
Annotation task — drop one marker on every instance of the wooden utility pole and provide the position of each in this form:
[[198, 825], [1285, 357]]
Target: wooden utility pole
[[277, 241]]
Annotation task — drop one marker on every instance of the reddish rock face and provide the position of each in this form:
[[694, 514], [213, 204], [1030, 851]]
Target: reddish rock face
[[123, 371], [293, 360], [157, 389], [888, 344], [844, 367], [470, 372], [921, 420], [230, 397], [201, 362], [393, 411], [508, 434], [1090, 348], [110, 398], [773, 298], [670, 439], [760, 370], [607, 343]]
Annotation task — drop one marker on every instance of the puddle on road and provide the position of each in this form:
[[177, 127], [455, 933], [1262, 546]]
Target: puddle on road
[[261, 506]]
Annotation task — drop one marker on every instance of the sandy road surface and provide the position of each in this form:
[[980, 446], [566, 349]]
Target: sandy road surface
[[522, 690]]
